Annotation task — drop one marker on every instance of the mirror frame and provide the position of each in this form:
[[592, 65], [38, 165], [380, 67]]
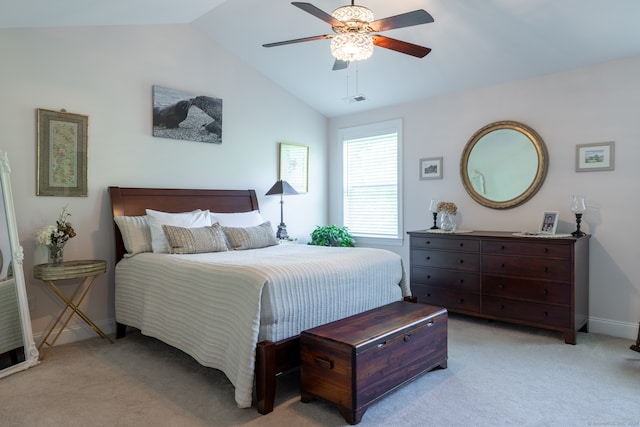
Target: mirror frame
[[541, 172], [17, 258]]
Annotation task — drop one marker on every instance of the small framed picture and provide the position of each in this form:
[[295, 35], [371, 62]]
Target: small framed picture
[[431, 168], [595, 157], [549, 222]]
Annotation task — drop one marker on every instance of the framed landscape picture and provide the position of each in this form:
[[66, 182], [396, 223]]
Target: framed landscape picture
[[595, 157], [431, 168]]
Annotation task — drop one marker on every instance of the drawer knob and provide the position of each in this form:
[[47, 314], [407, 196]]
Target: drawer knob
[[428, 276], [461, 261], [546, 269], [428, 258], [382, 344], [428, 242], [502, 266], [461, 245], [546, 314], [546, 292], [461, 300], [407, 338], [502, 247], [430, 323], [500, 286]]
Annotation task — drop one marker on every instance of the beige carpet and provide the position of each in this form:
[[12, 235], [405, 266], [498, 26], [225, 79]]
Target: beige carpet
[[498, 375]]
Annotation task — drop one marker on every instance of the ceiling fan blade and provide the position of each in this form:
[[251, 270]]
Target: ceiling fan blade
[[318, 13], [408, 19], [340, 65], [304, 39], [400, 46]]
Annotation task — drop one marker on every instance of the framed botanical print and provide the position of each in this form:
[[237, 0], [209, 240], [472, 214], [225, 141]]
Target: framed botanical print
[[62, 153], [294, 166]]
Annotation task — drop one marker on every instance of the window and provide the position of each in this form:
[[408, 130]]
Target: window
[[371, 181]]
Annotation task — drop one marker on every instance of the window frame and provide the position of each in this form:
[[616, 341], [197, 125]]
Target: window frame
[[368, 130]]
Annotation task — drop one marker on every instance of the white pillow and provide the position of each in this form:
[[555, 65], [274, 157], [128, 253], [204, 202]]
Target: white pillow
[[157, 219], [135, 233], [237, 219]]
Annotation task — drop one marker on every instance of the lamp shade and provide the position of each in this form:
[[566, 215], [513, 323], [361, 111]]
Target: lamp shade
[[281, 188]]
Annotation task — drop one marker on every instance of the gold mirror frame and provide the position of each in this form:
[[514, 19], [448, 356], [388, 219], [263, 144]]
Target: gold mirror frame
[[534, 185]]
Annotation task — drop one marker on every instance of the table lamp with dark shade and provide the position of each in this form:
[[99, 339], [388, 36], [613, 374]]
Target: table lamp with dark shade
[[281, 188]]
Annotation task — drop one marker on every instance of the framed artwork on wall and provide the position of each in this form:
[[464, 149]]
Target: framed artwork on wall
[[62, 153], [598, 156], [186, 116], [294, 166], [549, 222], [431, 168]]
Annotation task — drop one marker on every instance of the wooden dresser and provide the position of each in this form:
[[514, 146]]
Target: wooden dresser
[[540, 282]]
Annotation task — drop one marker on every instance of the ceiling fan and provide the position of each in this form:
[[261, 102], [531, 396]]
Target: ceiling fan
[[356, 32]]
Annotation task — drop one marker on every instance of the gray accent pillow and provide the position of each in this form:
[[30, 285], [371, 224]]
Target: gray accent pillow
[[260, 236], [195, 240]]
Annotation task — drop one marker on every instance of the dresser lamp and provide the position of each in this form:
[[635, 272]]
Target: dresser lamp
[[281, 188], [578, 207]]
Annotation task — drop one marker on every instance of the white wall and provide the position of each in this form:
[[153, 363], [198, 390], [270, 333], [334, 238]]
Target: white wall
[[594, 104], [107, 73]]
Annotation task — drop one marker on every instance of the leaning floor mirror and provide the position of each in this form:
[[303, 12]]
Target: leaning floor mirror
[[17, 348]]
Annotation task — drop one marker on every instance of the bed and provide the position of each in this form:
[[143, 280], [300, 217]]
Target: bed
[[241, 311]]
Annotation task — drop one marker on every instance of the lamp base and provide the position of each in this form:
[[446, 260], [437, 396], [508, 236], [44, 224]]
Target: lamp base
[[282, 232]]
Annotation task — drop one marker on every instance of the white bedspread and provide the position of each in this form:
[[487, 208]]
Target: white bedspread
[[217, 306]]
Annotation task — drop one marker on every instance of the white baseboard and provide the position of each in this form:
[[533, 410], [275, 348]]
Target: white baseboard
[[78, 333], [613, 328], [597, 325]]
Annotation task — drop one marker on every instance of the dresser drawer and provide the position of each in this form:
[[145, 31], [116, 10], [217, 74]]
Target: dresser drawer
[[444, 297], [555, 315], [446, 278], [538, 249], [448, 244], [461, 261], [535, 290], [540, 268]]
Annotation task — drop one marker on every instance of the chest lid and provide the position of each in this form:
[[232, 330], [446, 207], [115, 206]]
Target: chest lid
[[377, 324]]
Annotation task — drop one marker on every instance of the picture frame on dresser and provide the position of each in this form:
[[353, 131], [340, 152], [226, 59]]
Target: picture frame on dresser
[[549, 222]]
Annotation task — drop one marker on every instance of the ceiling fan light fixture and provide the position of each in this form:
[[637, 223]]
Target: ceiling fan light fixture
[[353, 13], [352, 46]]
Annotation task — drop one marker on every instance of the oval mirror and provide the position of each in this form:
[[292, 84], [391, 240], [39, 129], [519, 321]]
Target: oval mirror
[[504, 164]]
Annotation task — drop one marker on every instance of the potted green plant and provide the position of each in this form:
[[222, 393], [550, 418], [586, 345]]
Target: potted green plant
[[331, 235]]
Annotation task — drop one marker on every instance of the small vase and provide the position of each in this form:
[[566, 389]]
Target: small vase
[[446, 222], [56, 254]]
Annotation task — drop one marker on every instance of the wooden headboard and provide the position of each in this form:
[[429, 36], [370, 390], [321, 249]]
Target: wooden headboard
[[134, 201]]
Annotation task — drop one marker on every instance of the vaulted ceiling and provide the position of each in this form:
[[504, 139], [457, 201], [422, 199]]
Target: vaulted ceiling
[[474, 43]]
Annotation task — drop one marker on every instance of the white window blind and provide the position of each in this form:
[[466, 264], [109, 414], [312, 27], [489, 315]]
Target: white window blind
[[371, 184]]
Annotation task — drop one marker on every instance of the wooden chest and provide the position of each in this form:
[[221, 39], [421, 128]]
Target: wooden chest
[[354, 361]]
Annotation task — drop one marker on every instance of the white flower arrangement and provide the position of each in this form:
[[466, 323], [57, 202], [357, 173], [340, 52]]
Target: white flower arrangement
[[56, 235]]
